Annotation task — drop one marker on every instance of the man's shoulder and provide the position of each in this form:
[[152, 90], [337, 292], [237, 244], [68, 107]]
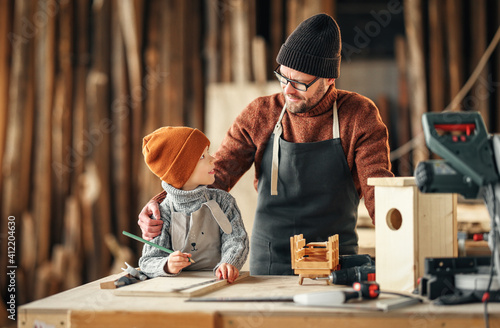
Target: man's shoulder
[[261, 113], [355, 106], [351, 98]]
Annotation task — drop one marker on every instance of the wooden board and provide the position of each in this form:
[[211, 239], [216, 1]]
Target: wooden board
[[392, 182], [163, 286]]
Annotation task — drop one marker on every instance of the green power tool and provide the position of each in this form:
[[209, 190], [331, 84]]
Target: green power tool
[[469, 160]]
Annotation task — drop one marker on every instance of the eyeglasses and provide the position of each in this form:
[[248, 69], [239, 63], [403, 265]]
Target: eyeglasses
[[300, 86]]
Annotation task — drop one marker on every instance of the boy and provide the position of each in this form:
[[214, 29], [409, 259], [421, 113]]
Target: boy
[[199, 222]]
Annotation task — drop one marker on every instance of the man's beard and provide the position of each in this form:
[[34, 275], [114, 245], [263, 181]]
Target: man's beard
[[306, 104]]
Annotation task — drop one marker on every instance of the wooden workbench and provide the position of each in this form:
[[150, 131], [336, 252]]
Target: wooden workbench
[[90, 306]]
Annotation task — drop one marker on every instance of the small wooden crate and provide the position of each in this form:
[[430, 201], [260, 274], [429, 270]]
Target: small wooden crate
[[410, 226], [316, 259]]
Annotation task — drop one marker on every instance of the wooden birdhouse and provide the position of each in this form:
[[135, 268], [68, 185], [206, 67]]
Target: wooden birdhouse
[[410, 226]]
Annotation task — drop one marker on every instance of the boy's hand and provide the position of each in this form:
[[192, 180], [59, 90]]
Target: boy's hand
[[149, 226], [227, 271], [176, 262]]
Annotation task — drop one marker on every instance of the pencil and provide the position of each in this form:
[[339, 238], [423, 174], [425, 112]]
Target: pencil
[[128, 234]]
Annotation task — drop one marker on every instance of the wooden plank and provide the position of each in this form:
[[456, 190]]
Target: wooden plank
[[226, 49], [61, 173], [403, 128], [133, 42], [45, 85], [80, 141], [17, 155], [277, 34], [211, 42], [65, 68], [95, 319], [149, 182], [72, 243], [195, 88], [240, 43], [27, 258], [454, 38], [292, 16], [121, 136], [436, 56], [259, 60], [5, 71], [436, 239], [5, 52], [392, 182], [280, 320], [176, 40], [252, 23], [416, 74], [99, 129], [163, 286], [17, 160], [479, 94]]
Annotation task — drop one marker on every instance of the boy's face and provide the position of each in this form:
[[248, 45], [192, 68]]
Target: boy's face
[[203, 173]]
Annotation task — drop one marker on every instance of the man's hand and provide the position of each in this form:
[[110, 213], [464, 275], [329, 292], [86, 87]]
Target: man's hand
[[150, 227], [176, 262], [227, 271]]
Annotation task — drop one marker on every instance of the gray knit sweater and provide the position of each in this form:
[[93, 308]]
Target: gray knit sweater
[[234, 246]]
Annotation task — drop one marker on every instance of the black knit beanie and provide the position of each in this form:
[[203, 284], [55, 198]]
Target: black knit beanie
[[313, 48]]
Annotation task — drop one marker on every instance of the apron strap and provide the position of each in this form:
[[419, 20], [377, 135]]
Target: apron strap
[[219, 216], [336, 131], [278, 129]]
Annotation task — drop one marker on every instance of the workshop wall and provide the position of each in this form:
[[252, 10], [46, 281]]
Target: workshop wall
[[81, 82]]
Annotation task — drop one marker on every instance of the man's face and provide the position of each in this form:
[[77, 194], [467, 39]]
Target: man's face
[[302, 101]]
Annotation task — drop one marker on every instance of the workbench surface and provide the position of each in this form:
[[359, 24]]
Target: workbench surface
[[90, 306]]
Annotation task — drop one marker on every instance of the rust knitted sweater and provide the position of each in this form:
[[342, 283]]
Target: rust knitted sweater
[[363, 135]]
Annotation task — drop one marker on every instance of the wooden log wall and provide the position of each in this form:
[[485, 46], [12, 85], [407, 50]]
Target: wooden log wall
[[81, 82], [444, 43]]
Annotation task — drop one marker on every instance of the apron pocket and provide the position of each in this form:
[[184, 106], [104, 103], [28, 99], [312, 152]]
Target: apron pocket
[[260, 256]]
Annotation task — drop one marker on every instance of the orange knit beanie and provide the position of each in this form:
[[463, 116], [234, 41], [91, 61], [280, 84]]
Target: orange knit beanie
[[172, 153]]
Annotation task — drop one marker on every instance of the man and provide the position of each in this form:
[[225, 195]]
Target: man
[[314, 147]]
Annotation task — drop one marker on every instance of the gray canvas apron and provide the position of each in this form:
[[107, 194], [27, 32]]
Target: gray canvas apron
[[199, 234], [313, 195]]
